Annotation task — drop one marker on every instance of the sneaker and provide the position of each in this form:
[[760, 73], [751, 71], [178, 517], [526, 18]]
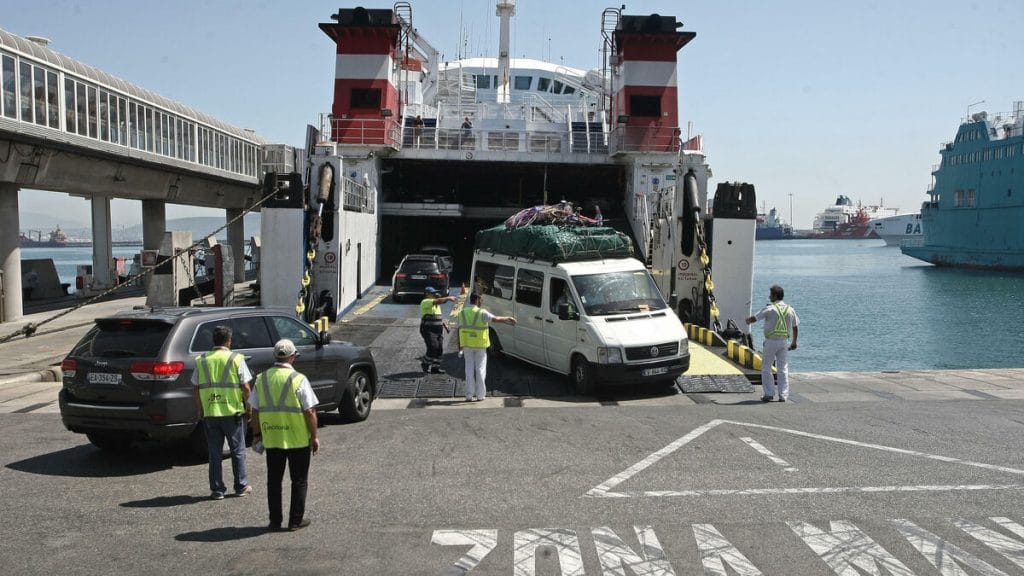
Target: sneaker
[[436, 370], [766, 398], [468, 399], [216, 495], [302, 524], [245, 491]]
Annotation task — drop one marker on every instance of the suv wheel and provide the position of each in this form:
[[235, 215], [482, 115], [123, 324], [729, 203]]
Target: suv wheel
[[107, 441], [358, 398]]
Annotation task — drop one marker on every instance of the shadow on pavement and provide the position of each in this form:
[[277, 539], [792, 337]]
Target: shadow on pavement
[[165, 501], [225, 534], [88, 462]]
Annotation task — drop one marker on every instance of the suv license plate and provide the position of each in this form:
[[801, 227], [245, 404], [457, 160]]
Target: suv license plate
[[654, 371], [418, 277], [103, 378]]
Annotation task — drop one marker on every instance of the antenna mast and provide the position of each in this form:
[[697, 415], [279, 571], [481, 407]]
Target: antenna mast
[[506, 9]]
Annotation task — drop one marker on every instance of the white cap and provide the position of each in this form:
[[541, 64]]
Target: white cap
[[284, 349]]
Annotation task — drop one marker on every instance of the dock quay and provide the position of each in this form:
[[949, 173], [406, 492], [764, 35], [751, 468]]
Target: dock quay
[[30, 376]]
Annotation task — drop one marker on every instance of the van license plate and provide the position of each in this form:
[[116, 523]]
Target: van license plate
[[418, 277], [103, 378], [654, 371]]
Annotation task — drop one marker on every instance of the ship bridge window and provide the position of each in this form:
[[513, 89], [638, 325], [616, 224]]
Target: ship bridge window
[[483, 81], [523, 82], [640, 105], [366, 98], [543, 84], [557, 89], [569, 90]]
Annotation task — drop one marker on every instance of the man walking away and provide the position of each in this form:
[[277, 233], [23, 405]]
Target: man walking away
[[432, 329], [221, 382], [474, 339], [780, 324], [284, 413]]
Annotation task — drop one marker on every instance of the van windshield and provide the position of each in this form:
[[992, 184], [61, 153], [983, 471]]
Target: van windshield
[[618, 293]]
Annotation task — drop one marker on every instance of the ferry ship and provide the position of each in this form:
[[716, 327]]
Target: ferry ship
[[898, 228], [421, 151], [844, 220], [973, 216]]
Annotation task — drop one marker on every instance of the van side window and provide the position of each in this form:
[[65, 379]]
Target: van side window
[[560, 293], [529, 287], [494, 280]]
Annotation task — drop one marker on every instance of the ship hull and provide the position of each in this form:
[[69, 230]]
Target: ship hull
[[952, 257], [771, 234]]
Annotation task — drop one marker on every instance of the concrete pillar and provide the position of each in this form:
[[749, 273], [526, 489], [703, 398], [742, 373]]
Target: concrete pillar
[[236, 239], [10, 252], [154, 224], [102, 249]]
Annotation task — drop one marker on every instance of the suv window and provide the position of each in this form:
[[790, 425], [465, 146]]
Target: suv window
[[246, 332], [420, 267], [122, 339], [293, 330]]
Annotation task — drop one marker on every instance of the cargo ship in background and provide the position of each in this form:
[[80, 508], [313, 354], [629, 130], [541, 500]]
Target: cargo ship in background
[[771, 227], [898, 228], [57, 238], [973, 216]]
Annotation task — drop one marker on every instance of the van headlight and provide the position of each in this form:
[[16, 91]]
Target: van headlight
[[609, 355], [684, 347]]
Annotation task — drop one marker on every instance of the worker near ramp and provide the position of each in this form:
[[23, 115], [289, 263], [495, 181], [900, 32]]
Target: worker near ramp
[[432, 328], [781, 324], [474, 339]]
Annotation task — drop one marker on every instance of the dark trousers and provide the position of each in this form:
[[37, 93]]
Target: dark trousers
[[297, 460], [433, 337]]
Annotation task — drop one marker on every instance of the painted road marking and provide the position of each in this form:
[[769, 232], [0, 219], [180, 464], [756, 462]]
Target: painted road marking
[[768, 453], [842, 546], [604, 490], [369, 305]]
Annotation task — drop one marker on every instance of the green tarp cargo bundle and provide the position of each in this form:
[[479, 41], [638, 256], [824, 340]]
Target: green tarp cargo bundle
[[556, 243]]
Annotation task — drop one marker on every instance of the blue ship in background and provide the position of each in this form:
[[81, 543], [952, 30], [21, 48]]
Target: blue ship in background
[[975, 215]]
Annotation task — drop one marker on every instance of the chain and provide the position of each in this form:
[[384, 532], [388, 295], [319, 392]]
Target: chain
[[31, 328], [709, 284]]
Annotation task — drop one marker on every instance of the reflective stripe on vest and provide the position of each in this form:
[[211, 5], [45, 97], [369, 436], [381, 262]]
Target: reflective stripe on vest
[[282, 421], [473, 332], [781, 329], [428, 308], [219, 385]]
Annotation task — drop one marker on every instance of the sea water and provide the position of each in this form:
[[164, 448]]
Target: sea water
[[67, 259], [864, 306]]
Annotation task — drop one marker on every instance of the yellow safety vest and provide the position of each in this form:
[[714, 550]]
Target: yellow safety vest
[[473, 331], [219, 385], [428, 308], [282, 422], [781, 329]]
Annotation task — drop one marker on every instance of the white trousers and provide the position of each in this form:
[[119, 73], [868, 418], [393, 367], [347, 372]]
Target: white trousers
[[476, 372], [775, 350]]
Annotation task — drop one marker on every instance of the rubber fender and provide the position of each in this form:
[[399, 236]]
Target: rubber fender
[[325, 196], [691, 213]]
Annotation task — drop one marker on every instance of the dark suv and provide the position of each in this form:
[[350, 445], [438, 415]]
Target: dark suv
[[129, 378], [416, 273]]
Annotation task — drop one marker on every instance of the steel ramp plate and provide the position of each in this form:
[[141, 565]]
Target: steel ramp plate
[[728, 383]]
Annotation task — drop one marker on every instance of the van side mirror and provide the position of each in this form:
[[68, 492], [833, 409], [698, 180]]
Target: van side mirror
[[565, 312]]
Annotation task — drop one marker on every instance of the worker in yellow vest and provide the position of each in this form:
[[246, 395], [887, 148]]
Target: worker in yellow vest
[[221, 383], [432, 328], [474, 339], [781, 324], [284, 415]]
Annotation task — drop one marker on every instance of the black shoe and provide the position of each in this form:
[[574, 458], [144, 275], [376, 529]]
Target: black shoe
[[424, 366], [781, 399], [302, 524], [437, 370], [274, 527], [766, 398]]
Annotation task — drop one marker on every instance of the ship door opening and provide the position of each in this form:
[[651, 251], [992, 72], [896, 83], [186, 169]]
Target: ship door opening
[[445, 203]]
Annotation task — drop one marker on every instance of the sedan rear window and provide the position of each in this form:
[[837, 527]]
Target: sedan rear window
[[122, 339]]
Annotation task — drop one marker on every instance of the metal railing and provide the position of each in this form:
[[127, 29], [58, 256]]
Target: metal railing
[[357, 197], [644, 139], [366, 132]]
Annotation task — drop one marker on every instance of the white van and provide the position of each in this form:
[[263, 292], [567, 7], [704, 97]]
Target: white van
[[602, 321]]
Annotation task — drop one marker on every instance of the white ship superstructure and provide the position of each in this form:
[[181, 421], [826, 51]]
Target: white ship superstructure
[[897, 229]]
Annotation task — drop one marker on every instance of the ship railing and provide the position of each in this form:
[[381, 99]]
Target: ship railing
[[384, 132], [357, 197], [644, 139]]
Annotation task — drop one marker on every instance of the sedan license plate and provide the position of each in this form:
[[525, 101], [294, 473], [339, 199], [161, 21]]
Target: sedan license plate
[[103, 378], [654, 371], [418, 277]]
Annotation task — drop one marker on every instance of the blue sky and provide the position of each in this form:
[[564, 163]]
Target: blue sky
[[813, 98]]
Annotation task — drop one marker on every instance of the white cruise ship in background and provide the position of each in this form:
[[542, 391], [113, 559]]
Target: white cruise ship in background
[[897, 228]]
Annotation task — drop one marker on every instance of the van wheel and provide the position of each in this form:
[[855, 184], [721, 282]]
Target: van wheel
[[581, 378], [108, 442], [358, 398], [495, 348]]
